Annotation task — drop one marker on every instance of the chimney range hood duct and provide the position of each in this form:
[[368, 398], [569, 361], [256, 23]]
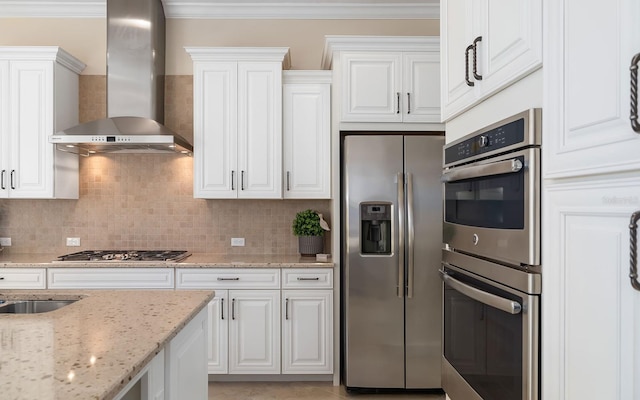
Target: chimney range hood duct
[[135, 88]]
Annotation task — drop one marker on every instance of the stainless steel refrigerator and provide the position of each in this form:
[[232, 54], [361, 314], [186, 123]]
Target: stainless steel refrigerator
[[392, 221]]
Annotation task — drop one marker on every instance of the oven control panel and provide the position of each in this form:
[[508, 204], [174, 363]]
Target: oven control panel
[[510, 134]]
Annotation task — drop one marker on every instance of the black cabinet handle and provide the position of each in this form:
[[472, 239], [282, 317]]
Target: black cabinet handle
[[634, 93], [222, 308], [4, 171], [466, 65], [633, 238], [13, 172], [286, 309], [288, 181], [408, 103], [233, 309], [475, 58], [242, 180], [397, 102], [233, 177]]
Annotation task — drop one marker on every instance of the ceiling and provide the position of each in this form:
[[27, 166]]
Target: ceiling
[[236, 9]]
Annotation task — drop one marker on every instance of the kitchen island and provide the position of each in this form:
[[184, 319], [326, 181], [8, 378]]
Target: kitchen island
[[99, 346]]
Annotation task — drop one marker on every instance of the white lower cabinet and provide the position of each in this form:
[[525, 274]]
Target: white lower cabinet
[[23, 278], [256, 328], [186, 361], [110, 278], [254, 332], [307, 332]]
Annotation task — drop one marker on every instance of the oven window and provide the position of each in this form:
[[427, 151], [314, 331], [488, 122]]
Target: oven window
[[495, 201], [482, 343]]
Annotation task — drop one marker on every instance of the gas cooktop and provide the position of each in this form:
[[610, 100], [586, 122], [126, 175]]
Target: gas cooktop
[[125, 255]]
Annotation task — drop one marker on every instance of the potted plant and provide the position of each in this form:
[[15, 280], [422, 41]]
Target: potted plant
[[309, 226]]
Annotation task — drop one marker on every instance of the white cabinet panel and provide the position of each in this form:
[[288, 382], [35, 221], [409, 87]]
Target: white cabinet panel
[[590, 311], [307, 332], [187, 362], [218, 333], [110, 278], [487, 45], [254, 332], [593, 134], [371, 91], [39, 87], [227, 278], [391, 86], [307, 137], [307, 278], [23, 278], [237, 122]]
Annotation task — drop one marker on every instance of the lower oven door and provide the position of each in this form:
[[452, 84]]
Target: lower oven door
[[491, 335]]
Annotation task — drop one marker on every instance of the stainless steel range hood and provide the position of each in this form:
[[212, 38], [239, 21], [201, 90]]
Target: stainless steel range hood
[[135, 88]]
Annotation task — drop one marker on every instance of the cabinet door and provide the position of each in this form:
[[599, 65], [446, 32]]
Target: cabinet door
[[31, 121], [372, 87], [4, 129], [421, 87], [254, 332], [511, 45], [187, 362], [593, 133], [215, 130], [218, 339], [260, 129], [591, 313], [307, 331], [307, 141], [457, 31]]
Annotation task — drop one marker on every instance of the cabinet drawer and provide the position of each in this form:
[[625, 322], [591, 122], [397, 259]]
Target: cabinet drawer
[[23, 278], [110, 278], [307, 278], [225, 278]]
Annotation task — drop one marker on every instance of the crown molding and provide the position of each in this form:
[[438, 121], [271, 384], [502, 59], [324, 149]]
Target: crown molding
[[42, 53], [277, 54], [194, 9], [334, 43]]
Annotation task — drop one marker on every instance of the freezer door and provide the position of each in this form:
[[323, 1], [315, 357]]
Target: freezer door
[[373, 310], [423, 166]]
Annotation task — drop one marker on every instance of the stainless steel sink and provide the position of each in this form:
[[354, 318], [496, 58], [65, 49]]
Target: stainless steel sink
[[33, 306]]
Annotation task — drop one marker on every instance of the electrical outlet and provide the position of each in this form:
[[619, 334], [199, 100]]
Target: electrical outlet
[[5, 242], [73, 241], [237, 241]]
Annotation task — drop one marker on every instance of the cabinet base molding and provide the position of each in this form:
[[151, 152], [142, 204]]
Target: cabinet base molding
[[271, 378]]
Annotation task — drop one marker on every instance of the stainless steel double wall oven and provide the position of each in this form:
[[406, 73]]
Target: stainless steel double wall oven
[[491, 262]]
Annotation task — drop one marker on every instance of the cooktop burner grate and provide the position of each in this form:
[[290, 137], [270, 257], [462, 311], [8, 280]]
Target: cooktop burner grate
[[125, 255]]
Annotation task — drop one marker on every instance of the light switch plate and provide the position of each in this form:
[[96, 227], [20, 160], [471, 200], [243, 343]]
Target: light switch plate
[[237, 241], [5, 242]]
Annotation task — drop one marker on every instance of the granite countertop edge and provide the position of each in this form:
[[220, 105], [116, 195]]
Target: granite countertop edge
[[196, 260]]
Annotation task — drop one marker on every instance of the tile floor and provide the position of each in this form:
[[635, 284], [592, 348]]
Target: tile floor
[[299, 391]]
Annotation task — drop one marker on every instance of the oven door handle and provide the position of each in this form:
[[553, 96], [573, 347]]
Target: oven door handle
[[506, 305], [478, 171]]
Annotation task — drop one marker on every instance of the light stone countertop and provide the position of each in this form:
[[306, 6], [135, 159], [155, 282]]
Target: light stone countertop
[[92, 348], [196, 260]]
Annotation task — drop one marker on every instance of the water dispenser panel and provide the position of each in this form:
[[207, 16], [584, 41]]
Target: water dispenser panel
[[375, 223]]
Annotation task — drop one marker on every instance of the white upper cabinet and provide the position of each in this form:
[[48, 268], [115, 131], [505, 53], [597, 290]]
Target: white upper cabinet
[[386, 79], [38, 97], [237, 110], [307, 134], [486, 46], [590, 80]]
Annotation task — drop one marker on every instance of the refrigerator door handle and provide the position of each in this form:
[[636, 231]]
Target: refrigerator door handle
[[410, 235], [400, 248]]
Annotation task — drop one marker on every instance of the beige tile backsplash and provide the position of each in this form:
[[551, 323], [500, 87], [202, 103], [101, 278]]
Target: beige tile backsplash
[[145, 201]]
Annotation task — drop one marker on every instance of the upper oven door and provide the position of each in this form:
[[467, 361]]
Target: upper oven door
[[492, 207]]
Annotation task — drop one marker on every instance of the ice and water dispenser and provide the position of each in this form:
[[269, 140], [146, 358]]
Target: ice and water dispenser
[[375, 224]]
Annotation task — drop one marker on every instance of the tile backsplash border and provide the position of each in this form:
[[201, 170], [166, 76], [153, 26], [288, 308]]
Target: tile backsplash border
[[145, 201]]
